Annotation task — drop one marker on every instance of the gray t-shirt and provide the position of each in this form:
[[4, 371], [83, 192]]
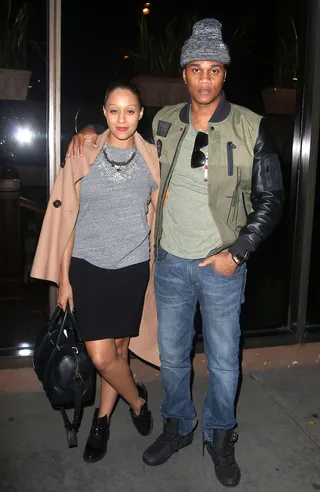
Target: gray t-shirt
[[111, 229]]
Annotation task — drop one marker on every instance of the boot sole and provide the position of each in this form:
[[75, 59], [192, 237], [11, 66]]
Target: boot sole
[[164, 460], [95, 460], [228, 484]]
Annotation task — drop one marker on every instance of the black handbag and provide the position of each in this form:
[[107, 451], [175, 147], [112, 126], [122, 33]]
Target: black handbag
[[65, 369]]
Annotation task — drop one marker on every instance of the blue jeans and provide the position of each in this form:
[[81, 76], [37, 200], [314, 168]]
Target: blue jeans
[[179, 284]]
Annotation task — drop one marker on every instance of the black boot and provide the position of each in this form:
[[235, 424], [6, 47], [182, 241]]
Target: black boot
[[96, 446], [222, 454], [142, 422], [168, 442]]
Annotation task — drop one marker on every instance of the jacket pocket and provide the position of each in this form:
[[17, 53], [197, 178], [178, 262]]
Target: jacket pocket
[[162, 255], [234, 198], [230, 147], [270, 173], [244, 204]]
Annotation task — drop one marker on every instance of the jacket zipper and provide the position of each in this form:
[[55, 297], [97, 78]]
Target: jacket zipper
[[233, 199], [166, 184], [230, 147], [244, 205]]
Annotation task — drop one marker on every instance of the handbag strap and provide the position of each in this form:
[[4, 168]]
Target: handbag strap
[[55, 316], [73, 427], [62, 327], [73, 321], [68, 316]]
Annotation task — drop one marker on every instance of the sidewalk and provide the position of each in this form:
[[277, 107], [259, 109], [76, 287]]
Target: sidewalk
[[278, 448]]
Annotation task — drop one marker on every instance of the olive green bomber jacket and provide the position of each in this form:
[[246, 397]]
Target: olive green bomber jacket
[[245, 190]]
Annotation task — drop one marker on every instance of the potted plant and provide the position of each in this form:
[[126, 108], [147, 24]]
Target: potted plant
[[14, 78], [157, 57], [281, 98], [157, 61]]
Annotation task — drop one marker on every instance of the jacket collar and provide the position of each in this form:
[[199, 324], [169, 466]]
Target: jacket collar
[[220, 114]]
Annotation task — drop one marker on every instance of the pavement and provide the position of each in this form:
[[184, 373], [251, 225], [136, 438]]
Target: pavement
[[278, 449]]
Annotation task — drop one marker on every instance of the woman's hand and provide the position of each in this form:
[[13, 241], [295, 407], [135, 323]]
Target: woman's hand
[[65, 295]]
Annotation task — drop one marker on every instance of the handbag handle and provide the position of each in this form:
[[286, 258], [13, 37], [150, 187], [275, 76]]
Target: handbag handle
[[68, 314], [72, 320], [53, 319]]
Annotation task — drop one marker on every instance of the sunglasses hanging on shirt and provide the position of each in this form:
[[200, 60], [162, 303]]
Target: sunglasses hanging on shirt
[[198, 158]]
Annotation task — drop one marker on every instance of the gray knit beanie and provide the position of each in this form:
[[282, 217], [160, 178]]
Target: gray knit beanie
[[205, 43]]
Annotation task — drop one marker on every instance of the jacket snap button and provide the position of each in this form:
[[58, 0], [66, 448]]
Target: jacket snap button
[[57, 203], [211, 127]]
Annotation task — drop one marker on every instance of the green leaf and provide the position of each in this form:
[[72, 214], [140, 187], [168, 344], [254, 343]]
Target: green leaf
[[14, 36]]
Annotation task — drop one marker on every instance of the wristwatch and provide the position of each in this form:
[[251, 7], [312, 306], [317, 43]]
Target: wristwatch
[[239, 259]]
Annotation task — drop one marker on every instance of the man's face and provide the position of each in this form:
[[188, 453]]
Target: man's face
[[204, 80]]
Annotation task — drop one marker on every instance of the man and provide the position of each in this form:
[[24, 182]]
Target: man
[[221, 194]]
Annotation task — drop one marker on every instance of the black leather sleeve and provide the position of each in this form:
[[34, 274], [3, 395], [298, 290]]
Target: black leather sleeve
[[147, 134], [267, 195]]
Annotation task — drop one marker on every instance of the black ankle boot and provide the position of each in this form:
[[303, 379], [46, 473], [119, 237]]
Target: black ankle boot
[[96, 446], [222, 454], [168, 442], [142, 422]]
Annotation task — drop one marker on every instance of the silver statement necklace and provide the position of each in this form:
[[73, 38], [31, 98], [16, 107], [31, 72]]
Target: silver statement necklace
[[117, 171]]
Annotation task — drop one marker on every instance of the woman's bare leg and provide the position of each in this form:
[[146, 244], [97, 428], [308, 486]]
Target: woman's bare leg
[[115, 370], [108, 396]]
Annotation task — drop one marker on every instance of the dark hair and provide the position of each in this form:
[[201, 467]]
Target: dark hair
[[124, 85]]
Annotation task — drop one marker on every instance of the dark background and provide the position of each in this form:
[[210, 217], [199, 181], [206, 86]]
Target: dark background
[[94, 39]]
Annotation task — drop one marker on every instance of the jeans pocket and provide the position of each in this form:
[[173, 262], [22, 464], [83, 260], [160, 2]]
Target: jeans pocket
[[162, 255], [235, 274]]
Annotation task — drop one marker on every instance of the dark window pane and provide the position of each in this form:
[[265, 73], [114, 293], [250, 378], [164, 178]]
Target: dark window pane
[[23, 194], [313, 309]]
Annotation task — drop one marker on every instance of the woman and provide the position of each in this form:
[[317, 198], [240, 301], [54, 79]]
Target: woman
[[95, 245]]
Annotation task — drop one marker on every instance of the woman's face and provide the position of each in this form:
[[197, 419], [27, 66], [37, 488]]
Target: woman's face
[[123, 112]]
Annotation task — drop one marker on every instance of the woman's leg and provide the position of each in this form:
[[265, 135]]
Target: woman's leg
[[108, 396], [96, 446], [115, 370]]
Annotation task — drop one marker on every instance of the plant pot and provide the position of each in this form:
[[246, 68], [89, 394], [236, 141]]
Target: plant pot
[[279, 100], [14, 84], [160, 91]]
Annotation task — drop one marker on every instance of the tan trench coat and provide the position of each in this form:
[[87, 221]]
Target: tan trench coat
[[60, 220]]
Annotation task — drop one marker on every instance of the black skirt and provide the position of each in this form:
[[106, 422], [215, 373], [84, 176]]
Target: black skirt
[[108, 303]]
